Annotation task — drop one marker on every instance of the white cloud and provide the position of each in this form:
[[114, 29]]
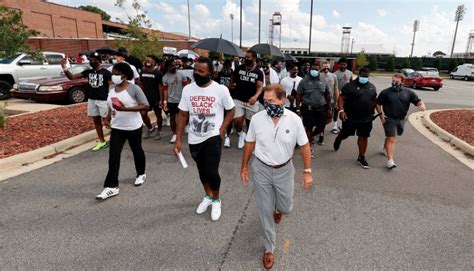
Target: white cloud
[[201, 10], [335, 13], [166, 8], [381, 12]]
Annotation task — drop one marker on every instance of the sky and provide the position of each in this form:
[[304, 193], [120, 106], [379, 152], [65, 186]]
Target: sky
[[374, 23]]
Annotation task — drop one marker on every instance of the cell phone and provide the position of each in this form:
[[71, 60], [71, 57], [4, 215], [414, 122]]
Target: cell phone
[[116, 102]]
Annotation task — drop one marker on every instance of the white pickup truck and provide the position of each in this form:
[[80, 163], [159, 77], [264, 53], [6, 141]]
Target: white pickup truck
[[23, 67]]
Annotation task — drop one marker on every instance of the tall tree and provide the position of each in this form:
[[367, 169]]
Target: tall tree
[[105, 16], [390, 64], [373, 63], [361, 60], [14, 34], [406, 63]]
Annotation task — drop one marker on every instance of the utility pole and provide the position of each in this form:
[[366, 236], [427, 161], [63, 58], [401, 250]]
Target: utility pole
[[189, 21], [352, 44], [240, 24], [310, 27], [416, 28], [259, 18], [458, 17]]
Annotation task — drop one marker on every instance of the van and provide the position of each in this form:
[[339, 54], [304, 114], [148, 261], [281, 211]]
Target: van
[[465, 71]]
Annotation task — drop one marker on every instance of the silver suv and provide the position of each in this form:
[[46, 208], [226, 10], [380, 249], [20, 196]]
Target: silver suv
[[23, 67]]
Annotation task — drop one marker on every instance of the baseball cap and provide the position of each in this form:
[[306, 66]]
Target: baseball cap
[[95, 55]]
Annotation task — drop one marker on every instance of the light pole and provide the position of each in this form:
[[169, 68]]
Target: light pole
[[277, 21], [189, 21], [310, 27], [352, 44], [458, 17], [259, 18], [416, 28], [232, 26]]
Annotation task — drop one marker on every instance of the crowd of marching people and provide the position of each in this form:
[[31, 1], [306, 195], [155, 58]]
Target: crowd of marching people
[[273, 107]]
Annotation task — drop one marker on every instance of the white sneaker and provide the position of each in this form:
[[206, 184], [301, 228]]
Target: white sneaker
[[383, 150], [166, 122], [173, 139], [186, 129], [148, 133], [140, 180], [205, 203], [227, 142], [107, 193], [391, 164], [216, 210], [241, 140]]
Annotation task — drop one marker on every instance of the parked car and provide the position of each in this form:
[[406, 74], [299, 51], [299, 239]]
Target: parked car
[[465, 71], [429, 71], [21, 67], [406, 72], [55, 89], [419, 79]]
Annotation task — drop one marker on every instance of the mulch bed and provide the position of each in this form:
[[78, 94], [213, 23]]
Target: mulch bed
[[28, 132], [457, 122]]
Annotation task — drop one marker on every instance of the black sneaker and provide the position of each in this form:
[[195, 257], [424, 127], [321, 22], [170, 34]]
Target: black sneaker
[[320, 140], [337, 144], [362, 162]]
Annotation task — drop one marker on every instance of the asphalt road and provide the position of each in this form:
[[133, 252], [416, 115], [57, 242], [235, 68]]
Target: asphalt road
[[419, 215]]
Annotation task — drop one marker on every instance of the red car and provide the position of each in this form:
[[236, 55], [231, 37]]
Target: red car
[[420, 79], [56, 89]]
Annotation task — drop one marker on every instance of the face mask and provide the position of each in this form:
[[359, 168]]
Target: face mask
[[326, 70], [114, 61], [173, 70], [274, 110], [201, 80], [342, 69], [94, 65], [363, 80], [396, 86], [248, 62], [148, 64], [117, 79], [314, 73], [293, 75], [306, 70]]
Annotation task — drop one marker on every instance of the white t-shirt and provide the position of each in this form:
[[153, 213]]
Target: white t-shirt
[[288, 83], [275, 144], [131, 96], [135, 72], [206, 110]]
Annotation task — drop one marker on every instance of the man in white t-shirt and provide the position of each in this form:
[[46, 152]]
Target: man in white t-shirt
[[290, 83], [204, 102], [120, 58], [273, 134]]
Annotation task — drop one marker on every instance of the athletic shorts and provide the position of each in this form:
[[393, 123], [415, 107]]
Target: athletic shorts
[[97, 108], [350, 128], [393, 126], [244, 109], [173, 108], [313, 116]]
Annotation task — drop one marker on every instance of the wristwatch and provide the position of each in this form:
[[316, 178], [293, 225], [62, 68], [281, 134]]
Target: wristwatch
[[307, 170]]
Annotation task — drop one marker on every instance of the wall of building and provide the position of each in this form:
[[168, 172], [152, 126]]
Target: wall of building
[[53, 20]]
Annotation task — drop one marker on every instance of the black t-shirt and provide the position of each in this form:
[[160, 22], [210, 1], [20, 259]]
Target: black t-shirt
[[151, 83], [359, 102], [223, 78], [396, 103], [98, 87], [135, 62], [246, 82]]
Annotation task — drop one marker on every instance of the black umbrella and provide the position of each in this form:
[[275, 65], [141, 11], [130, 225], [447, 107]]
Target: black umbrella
[[219, 45], [287, 58], [267, 49], [87, 52], [105, 50]]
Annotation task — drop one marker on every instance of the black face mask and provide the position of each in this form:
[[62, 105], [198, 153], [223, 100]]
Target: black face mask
[[305, 70], [248, 62], [201, 80], [325, 70], [173, 70], [342, 69], [396, 86], [94, 65]]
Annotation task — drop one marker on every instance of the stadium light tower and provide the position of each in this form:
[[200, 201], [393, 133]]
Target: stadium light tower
[[458, 17], [416, 28]]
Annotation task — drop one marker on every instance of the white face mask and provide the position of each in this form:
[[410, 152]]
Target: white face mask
[[117, 79]]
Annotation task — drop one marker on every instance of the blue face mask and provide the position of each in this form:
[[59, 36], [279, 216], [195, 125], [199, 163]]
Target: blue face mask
[[314, 73], [363, 80]]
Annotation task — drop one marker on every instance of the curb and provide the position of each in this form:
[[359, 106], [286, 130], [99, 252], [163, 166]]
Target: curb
[[445, 135], [26, 158]]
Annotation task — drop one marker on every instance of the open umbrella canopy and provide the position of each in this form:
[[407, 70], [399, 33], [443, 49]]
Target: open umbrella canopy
[[219, 45], [287, 58], [187, 53], [105, 50], [267, 49]]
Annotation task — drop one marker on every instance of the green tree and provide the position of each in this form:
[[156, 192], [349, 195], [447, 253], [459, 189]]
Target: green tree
[[437, 63], [14, 34], [390, 67], [406, 63], [418, 63], [105, 16], [361, 60], [453, 63], [142, 42], [373, 62]]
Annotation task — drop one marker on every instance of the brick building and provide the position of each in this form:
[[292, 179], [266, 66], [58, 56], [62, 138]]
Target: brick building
[[71, 30]]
